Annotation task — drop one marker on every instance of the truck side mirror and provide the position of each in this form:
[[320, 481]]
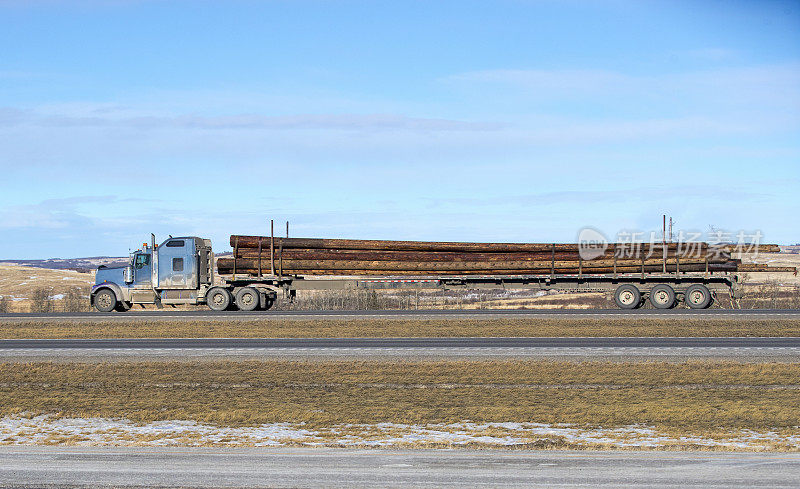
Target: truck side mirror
[[128, 274]]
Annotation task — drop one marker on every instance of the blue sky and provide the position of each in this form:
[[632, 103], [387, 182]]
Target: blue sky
[[502, 121]]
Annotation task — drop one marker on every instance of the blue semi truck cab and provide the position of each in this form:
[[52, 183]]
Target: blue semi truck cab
[[180, 270]]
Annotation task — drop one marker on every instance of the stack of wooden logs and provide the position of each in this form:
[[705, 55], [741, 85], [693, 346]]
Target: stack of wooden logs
[[263, 255]]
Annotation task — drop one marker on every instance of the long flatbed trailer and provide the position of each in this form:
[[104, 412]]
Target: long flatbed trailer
[[630, 290]]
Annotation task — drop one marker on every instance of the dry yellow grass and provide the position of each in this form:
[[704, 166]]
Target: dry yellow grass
[[124, 327], [573, 300], [773, 260], [18, 283], [696, 397]]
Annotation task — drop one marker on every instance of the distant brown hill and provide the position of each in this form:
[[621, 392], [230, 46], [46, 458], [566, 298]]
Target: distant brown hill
[[81, 264]]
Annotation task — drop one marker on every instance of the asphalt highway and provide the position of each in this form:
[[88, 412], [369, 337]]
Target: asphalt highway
[[208, 314], [70, 467], [610, 348]]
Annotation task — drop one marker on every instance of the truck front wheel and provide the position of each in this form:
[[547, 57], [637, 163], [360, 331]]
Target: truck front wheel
[[105, 300], [218, 299]]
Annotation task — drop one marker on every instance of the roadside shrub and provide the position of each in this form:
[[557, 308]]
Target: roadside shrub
[[5, 304], [41, 301], [76, 300]]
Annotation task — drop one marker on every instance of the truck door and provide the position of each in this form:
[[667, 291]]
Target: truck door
[[141, 289], [142, 270]]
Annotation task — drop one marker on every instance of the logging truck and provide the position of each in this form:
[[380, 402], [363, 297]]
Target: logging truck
[[183, 270]]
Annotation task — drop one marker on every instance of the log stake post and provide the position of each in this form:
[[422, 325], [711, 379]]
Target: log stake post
[[664, 242], [280, 257], [642, 254], [272, 246], [259, 258], [235, 252], [287, 229], [615, 261]]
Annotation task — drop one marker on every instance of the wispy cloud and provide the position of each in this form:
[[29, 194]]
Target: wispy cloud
[[544, 80], [611, 195], [77, 213], [774, 83], [335, 122], [50, 213], [10, 116], [710, 54]]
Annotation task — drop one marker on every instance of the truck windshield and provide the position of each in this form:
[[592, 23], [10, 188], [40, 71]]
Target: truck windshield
[[141, 260]]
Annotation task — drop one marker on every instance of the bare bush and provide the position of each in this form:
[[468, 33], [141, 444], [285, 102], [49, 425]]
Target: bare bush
[[76, 300], [336, 300], [5, 304], [769, 295], [41, 300]]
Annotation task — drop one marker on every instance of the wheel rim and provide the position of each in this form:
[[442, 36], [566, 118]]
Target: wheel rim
[[248, 299], [218, 299], [626, 297], [662, 297], [104, 301], [697, 297]]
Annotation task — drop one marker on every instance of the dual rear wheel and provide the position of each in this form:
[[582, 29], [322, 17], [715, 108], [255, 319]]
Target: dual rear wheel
[[246, 299]]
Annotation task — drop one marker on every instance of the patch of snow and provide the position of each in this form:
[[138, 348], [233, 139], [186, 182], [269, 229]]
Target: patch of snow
[[57, 297], [45, 429]]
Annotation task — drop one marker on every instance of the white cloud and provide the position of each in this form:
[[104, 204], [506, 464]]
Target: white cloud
[[711, 54], [335, 122], [776, 85], [545, 79], [50, 213], [115, 116], [616, 195]]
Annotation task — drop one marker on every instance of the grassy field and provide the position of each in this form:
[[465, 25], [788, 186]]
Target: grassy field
[[17, 284], [709, 399], [124, 327]]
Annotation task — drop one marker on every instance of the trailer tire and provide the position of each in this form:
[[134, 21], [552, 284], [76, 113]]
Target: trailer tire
[[662, 296], [248, 299], [105, 300], [218, 299], [627, 296], [697, 296], [268, 303]]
